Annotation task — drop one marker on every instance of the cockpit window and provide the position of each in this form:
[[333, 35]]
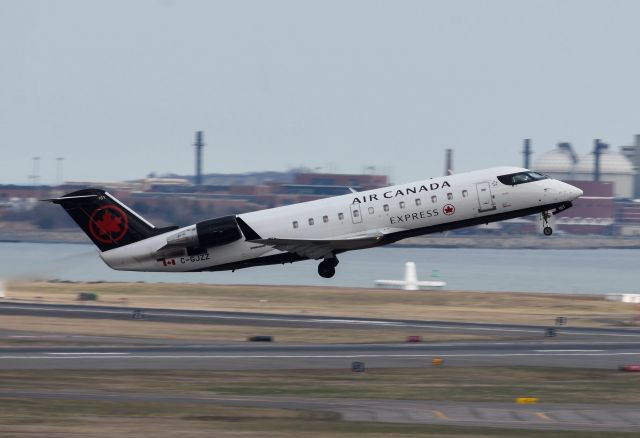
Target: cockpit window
[[521, 178]]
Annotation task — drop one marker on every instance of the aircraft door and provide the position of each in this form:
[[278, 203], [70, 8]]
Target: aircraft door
[[485, 198], [356, 214]]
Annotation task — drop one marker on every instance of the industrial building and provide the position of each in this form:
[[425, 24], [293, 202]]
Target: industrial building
[[610, 166], [610, 180]]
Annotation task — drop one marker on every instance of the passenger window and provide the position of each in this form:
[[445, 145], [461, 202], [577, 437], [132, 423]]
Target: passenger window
[[295, 224], [325, 219], [385, 207], [356, 213], [310, 221], [370, 210], [341, 216], [434, 199], [418, 202], [402, 204], [465, 193], [450, 196]]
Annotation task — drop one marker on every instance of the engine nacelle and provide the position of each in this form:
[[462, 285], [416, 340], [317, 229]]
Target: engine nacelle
[[206, 234]]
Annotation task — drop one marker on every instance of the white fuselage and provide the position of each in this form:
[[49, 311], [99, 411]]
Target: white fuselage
[[399, 211]]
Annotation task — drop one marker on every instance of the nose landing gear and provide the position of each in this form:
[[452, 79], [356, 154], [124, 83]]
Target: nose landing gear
[[327, 267], [547, 230]]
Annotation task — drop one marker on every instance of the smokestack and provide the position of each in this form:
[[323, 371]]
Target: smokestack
[[574, 157], [598, 148], [567, 147], [199, 144], [526, 152], [448, 163]]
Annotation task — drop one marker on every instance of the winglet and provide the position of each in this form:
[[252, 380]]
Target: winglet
[[248, 232]]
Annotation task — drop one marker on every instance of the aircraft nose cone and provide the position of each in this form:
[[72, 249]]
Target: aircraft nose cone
[[574, 192]]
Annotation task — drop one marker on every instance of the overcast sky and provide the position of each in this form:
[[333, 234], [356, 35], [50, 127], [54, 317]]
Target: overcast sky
[[118, 88]]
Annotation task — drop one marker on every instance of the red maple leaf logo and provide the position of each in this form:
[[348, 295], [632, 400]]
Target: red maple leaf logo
[[109, 223], [449, 209]]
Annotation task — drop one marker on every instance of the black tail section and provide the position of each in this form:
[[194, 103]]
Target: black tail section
[[108, 223]]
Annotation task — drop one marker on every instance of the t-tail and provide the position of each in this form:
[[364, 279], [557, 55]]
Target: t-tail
[[108, 222]]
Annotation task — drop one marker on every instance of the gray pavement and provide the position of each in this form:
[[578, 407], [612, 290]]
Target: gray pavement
[[283, 320], [251, 355]]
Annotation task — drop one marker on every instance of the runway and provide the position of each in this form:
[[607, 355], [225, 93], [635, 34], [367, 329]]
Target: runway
[[253, 356], [573, 347], [298, 321]]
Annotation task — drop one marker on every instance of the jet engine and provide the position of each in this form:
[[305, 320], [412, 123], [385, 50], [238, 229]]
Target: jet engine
[[206, 234]]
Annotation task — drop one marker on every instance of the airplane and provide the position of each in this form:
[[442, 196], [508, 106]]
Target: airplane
[[315, 230], [410, 281]]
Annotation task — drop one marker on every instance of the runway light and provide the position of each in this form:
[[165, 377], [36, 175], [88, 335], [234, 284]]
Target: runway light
[[561, 320], [260, 338], [436, 361], [357, 367], [414, 338], [526, 400]]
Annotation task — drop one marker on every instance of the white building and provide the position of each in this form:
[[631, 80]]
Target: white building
[[564, 164]]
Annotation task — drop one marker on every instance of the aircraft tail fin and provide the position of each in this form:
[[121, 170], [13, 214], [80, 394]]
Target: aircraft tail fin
[[105, 220]]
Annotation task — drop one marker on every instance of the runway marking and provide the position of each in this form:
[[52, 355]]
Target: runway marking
[[440, 415], [543, 416], [568, 351], [300, 356], [71, 354]]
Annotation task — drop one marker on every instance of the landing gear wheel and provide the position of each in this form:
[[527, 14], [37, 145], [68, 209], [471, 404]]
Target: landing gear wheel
[[547, 230], [327, 268]]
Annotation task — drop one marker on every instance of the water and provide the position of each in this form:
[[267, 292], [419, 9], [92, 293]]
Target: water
[[526, 270]]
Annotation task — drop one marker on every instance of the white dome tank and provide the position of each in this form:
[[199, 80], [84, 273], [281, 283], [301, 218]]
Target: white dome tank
[[610, 163], [559, 161]]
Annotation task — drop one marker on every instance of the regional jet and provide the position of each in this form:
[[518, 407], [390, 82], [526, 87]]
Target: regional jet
[[315, 230]]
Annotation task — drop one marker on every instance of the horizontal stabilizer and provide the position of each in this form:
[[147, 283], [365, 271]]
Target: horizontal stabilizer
[[68, 198]]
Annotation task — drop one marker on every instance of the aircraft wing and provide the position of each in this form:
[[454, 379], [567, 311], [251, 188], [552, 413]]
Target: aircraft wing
[[391, 282], [319, 248]]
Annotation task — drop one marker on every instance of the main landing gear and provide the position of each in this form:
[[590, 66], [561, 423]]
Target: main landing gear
[[547, 230], [327, 267]]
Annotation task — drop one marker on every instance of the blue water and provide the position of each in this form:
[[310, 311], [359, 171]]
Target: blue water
[[526, 270]]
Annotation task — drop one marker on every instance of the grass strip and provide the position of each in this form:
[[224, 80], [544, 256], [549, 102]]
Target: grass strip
[[490, 384]]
